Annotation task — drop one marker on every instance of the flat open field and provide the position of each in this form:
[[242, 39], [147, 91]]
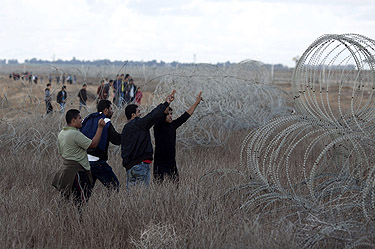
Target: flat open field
[[196, 214], [209, 207]]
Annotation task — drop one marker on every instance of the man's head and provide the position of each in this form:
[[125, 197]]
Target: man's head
[[102, 82], [49, 85], [73, 118], [168, 118], [132, 111], [84, 86], [105, 106], [63, 87], [131, 81]]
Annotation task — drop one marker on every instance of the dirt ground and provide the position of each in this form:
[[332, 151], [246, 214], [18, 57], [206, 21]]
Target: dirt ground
[[20, 98]]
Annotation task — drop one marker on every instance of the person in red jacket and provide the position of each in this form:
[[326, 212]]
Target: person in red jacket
[[138, 96]]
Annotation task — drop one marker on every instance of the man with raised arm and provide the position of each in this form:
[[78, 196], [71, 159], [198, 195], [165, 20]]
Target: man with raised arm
[[136, 147], [165, 142], [74, 176]]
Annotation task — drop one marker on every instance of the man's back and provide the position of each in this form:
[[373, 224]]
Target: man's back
[[72, 145], [82, 95]]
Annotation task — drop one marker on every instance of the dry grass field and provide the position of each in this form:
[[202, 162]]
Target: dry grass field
[[209, 208], [201, 212]]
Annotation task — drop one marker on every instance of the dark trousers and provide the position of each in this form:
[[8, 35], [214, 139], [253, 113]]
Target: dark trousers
[[101, 171], [81, 190], [49, 107], [161, 172]]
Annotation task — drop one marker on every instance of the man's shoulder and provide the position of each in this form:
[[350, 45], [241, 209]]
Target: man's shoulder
[[132, 124]]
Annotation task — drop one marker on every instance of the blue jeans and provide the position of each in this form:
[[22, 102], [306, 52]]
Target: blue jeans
[[138, 174], [82, 104], [103, 172], [62, 107]]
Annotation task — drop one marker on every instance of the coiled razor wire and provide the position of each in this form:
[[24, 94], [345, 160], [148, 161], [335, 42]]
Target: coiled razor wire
[[237, 97], [317, 167]]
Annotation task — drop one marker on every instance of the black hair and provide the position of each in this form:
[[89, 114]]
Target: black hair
[[170, 109], [103, 103], [129, 110], [84, 85], [63, 87], [70, 115], [49, 84], [127, 76]]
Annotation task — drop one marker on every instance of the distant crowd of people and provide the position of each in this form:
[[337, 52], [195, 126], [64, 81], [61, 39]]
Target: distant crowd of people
[[83, 144], [33, 78], [123, 89]]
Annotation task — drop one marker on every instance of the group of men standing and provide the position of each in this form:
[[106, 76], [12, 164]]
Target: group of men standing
[[84, 148], [125, 91]]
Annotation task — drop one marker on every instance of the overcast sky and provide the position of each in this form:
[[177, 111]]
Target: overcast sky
[[272, 31]]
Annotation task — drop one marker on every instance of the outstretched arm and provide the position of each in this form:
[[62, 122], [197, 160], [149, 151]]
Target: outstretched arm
[[184, 117], [194, 106], [155, 115]]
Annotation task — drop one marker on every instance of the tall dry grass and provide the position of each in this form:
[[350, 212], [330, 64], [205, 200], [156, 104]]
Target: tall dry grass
[[196, 214]]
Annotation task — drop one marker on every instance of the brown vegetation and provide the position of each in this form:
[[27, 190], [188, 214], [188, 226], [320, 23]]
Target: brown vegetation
[[199, 213]]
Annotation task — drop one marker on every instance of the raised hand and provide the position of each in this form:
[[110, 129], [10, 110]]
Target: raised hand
[[101, 123], [170, 97], [199, 98]]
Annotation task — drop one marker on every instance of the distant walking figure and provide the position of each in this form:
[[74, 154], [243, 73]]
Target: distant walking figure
[[48, 98], [61, 99], [102, 91], [138, 96], [130, 92], [82, 95]]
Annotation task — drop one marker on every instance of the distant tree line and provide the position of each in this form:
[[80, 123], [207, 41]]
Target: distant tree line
[[103, 62]]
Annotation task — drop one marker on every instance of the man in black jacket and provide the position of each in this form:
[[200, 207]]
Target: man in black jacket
[[98, 156], [82, 95], [165, 142], [136, 147], [61, 98]]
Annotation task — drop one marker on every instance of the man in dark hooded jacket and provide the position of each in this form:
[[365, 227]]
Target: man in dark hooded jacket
[[136, 147], [98, 156]]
